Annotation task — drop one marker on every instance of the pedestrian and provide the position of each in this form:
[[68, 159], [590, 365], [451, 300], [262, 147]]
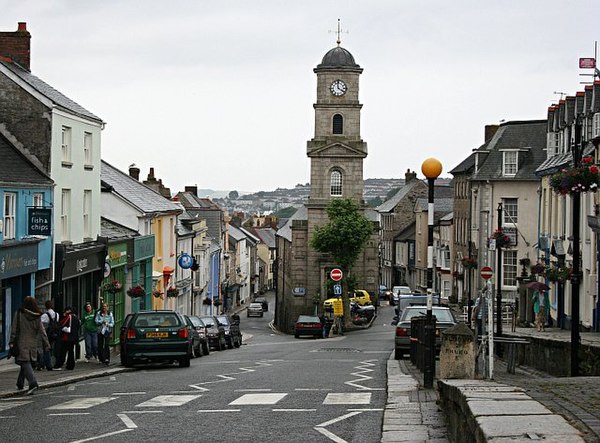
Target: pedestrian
[[541, 305], [478, 313], [70, 335], [50, 321], [105, 322], [26, 329], [90, 333]]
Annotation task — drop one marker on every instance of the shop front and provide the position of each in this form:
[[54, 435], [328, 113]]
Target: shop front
[[112, 289], [18, 265], [143, 253]]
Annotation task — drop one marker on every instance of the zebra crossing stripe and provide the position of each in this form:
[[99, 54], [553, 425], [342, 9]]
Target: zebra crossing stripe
[[14, 404], [82, 403], [348, 398], [258, 399], [167, 401]]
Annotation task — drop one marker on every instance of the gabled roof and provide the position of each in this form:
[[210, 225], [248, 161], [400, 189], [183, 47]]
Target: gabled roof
[[235, 233], [16, 169], [266, 235], [529, 137], [57, 98], [286, 230], [135, 192], [389, 205]]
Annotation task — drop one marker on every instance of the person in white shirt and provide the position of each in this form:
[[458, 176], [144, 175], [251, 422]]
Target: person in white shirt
[[46, 316]]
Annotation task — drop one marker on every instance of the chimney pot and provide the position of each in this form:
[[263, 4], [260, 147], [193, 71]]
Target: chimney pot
[[409, 176], [134, 172], [17, 46], [22, 27], [192, 189]]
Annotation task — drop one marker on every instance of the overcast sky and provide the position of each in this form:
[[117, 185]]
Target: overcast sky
[[220, 93]]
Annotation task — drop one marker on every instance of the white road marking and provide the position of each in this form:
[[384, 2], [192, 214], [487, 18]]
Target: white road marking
[[7, 416], [14, 404], [57, 414], [142, 412], [348, 398], [167, 401], [367, 410], [102, 436], [219, 410], [71, 388], [82, 403], [330, 435], [312, 389], [112, 377], [294, 410], [335, 420], [199, 388], [128, 422], [364, 369], [258, 399], [252, 390], [128, 393]]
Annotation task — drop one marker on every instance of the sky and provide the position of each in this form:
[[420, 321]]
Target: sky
[[220, 93]]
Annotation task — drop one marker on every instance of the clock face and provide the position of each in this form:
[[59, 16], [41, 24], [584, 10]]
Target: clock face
[[338, 88]]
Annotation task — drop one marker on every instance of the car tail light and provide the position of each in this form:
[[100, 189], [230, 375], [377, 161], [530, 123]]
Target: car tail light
[[182, 333], [401, 332], [299, 325], [131, 333]]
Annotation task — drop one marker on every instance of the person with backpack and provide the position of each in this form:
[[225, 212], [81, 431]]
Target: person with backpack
[[105, 323], [50, 321], [90, 333], [70, 326]]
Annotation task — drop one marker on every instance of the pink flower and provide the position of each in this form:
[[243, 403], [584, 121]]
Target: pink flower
[[586, 160], [594, 169]]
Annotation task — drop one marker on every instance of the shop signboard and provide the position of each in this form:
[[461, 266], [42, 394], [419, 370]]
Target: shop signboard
[[143, 247], [39, 221], [117, 254], [18, 260]]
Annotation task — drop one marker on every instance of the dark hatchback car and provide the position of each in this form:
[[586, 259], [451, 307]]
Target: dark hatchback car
[[198, 336], [233, 335], [308, 325], [216, 333], [263, 302], [156, 336], [200, 328]]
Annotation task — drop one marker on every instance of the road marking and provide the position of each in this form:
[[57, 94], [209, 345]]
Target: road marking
[[167, 401], [348, 398], [312, 389], [128, 393], [112, 377], [7, 416], [258, 399], [199, 388], [128, 422], [294, 410], [71, 388], [367, 410], [82, 403], [219, 410], [364, 368], [14, 404], [57, 414], [340, 418], [330, 435], [142, 412], [252, 390], [102, 436]]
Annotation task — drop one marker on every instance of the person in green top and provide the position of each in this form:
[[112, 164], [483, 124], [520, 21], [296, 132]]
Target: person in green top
[[90, 330]]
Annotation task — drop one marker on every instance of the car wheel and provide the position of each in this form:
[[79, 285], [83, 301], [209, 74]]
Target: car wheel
[[184, 362], [261, 315], [197, 351], [297, 335], [219, 345], [398, 354], [205, 349], [238, 342], [126, 361]]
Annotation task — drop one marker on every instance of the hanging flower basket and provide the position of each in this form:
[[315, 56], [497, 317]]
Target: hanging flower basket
[[469, 263], [157, 294], [584, 178], [557, 274], [113, 286], [206, 301], [217, 302], [525, 262], [172, 292], [136, 291], [502, 240], [538, 269]]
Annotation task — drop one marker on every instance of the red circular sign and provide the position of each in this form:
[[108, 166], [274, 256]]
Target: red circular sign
[[486, 272], [336, 274]]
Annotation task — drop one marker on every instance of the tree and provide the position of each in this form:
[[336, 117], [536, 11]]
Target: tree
[[233, 195]]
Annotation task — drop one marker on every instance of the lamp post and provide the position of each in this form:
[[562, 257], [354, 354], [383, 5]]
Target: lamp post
[[431, 169]]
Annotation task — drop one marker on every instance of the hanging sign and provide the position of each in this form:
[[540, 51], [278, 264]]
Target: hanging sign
[[39, 221], [186, 261]]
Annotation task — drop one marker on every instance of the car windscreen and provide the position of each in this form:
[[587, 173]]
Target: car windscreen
[[208, 321], [156, 320], [223, 320], [308, 319], [196, 322], [441, 315]]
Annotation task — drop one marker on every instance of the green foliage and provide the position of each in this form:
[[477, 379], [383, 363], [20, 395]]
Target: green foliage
[[233, 195], [285, 212], [346, 234]]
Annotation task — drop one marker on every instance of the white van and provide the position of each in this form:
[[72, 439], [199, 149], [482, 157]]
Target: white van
[[397, 291]]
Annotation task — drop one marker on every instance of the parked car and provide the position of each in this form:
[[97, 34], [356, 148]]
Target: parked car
[[215, 333], [254, 309], [196, 345], [233, 335], [397, 291], [414, 300], [444, 320], [361, 297], [202, 333], [308, 325], [155, 336], [263, 301]]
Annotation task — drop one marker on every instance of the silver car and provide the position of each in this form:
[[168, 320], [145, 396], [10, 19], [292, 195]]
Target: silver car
[[254, 309]]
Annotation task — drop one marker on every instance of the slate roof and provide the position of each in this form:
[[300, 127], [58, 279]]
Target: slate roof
[[514, 135], [286, 230], [115, 231], [266, 235], [139, 195], [389, 205], [235, 233], [558, 161], [58, 98], [16, 169], [206, 209], [407, 234], [181, 228], [441, 206], [465, 166]]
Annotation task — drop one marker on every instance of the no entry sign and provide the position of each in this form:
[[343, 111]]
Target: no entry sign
[[336, 274], [486, 272]]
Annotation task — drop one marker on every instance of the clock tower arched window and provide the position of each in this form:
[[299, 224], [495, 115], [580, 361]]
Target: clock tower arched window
[[336, 183], [338, 124]]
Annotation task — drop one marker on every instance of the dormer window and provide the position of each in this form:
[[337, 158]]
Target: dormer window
[[336, 183], [338, 124], [510, 163]]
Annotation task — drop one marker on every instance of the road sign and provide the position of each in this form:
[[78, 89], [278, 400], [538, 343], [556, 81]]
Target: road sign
[[337, 289], [486, 272], [336, 274], [338, 307]]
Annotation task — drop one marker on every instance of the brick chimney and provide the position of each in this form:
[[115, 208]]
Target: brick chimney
[[17, 46], [134, 172], [192, 190], [409, 176], [489, 132]]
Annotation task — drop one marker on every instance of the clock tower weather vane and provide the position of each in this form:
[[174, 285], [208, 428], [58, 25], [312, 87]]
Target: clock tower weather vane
[[339, 32]]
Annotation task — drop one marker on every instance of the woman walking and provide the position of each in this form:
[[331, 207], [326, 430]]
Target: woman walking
[[25, 332], [105, 322]]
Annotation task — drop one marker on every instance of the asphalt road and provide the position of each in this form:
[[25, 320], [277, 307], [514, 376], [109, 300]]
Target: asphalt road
[[273, 389]]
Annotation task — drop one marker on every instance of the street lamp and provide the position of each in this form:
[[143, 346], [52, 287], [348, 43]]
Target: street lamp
[[431, 169]]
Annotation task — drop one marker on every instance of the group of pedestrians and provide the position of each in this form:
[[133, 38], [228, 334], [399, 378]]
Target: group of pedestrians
[[35, 336]]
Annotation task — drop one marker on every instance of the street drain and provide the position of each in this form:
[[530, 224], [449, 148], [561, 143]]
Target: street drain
[[337, 350]]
